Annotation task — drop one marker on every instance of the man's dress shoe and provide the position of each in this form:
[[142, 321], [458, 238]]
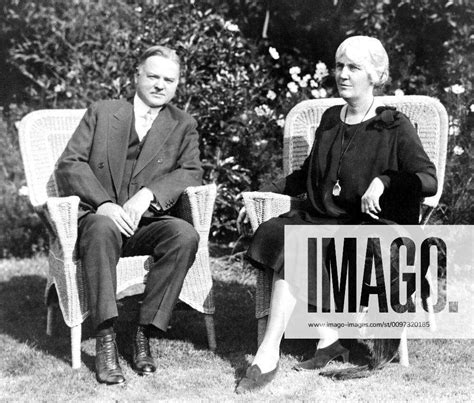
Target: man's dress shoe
[[107, 366], [143, 362]]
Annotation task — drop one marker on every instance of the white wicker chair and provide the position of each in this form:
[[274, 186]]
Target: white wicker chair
[[43, 136], [428, 116]]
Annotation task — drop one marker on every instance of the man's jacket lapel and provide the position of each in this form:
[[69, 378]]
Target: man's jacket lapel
[[117, 143], [161, 129]]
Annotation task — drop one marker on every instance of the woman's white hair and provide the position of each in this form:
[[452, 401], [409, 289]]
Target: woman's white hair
[[373, 55]]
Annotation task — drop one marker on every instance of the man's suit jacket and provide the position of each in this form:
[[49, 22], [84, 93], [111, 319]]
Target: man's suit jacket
[[92, 164]]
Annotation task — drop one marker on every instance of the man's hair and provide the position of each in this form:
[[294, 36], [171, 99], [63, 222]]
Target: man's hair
[[373, 55], [159, 50]]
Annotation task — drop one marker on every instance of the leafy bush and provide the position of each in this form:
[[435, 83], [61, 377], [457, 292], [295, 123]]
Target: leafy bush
[[430, 48], [68, 55], [21, 230], [57, 54]]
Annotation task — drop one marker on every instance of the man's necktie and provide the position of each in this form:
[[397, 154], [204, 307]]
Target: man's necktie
[[149, 117]]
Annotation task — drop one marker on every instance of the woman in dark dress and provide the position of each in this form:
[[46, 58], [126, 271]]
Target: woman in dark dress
[[367, 165]]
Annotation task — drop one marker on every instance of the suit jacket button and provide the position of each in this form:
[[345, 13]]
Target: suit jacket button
[[100, 165]]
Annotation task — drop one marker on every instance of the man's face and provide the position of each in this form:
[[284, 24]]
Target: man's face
[[156, 81]]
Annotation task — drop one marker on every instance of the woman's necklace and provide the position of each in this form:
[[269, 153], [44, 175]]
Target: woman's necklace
[[336, 190]]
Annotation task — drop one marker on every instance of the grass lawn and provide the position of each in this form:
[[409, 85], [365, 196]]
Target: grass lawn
[[34, 367]]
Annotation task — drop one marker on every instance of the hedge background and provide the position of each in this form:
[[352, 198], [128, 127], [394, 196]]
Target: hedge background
[[238, 85]]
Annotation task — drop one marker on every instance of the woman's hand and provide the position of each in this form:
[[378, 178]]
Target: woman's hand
[[369, 203], [242, 220]]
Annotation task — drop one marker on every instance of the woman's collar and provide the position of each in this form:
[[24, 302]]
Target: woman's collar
[[387, 117]]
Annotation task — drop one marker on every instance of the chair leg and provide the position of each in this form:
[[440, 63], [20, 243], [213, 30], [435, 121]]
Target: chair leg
[[261, 327], [51, 318], [427, 301], [211, 332], [76, 346], [403, 349], [428, 306]]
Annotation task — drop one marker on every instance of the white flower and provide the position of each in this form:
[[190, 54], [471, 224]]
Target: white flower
[[138, 9], [316, 93], [458, 150], [261, 143], [313, 84], [231, 27], [235, 139], [292, 87], [321, 71], [296, 78], [457, 89], [229, 160], [281, 122], [69, 94], [59, 88], [304, 81], [453, 127], [24, 191], [453, 130], [263, 110], [471, 108], [271, 95], [295, 70], [72, 74], [273, 53], [399, 93]]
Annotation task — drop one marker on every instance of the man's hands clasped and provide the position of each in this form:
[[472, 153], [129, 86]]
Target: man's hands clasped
[[127, 218]]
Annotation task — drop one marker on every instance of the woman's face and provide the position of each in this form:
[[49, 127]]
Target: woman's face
[[352, 78]]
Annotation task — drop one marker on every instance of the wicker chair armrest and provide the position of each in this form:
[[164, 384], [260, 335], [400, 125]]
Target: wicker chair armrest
[[196, 206], [61, 216], [261, 206]]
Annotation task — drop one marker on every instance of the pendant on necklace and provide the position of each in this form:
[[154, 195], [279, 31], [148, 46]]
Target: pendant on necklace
[[336, 190]]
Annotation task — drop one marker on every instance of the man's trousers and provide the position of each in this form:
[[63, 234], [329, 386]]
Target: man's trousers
[[171, 241]]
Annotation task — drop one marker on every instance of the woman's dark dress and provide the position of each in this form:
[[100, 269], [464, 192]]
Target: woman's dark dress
[[385, 146]]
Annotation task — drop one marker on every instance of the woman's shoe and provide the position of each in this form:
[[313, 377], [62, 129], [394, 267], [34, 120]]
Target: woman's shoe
[[255, 380], [323, 356]]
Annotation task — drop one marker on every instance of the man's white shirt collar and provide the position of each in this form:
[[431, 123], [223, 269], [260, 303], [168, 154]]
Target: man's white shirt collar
[[140, 110]]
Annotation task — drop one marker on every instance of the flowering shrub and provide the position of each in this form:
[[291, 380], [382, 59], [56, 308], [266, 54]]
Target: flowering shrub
[[308, 85], [59, 54], [430, 55], [69, 56]]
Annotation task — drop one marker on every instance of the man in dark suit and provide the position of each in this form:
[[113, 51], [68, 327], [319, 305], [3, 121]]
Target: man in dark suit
[[129, 164]]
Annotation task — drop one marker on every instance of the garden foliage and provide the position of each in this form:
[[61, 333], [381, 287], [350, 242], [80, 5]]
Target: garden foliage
[[56, 54]]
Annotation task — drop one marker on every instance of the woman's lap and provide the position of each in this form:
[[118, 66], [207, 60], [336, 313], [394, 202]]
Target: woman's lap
[[267, 247]]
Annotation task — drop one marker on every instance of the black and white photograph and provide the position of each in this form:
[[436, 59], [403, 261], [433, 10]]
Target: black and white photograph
[[236, 200]]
